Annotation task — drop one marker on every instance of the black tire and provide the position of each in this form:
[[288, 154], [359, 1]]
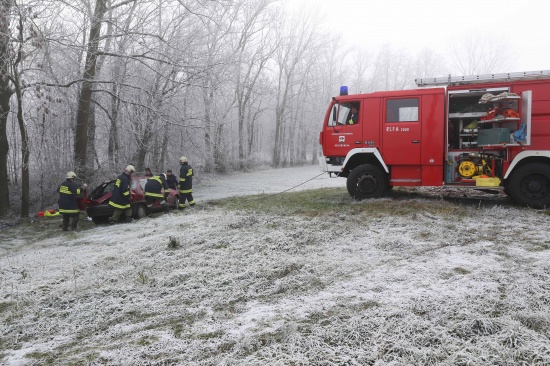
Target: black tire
[[530, 185], [141, 211], [98, 220], [367, 181]]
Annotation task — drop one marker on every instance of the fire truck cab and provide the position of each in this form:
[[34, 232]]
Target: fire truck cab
[[488, 132]]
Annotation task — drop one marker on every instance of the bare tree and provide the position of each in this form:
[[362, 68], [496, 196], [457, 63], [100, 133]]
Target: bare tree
[[429, 63], [299, 39], [392, 70], [85, 95], [254, 51], [17, 47], [361, 61], [217, 60], [16, 80], [481, 53], [6, 92]]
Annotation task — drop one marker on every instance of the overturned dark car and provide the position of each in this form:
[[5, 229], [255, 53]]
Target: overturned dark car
[[97, 202]]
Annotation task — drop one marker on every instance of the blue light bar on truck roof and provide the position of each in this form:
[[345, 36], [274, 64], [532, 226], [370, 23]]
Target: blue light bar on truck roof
[[343, 90]]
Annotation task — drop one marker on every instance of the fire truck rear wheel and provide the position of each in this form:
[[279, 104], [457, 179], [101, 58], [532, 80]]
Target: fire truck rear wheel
[[530, 185], [367, 181]]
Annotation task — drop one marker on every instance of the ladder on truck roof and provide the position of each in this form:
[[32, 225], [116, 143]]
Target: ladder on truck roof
[[473, 79]]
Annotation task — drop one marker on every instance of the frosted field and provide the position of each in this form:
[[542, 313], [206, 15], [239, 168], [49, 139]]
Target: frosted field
[[215, 287]]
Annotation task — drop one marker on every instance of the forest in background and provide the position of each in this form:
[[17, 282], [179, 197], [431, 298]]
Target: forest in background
[[93, 85]]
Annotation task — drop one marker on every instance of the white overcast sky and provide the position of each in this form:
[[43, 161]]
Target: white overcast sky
[[418, 24]]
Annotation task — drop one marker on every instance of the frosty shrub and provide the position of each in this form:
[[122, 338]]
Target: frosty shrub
[[173, 242]]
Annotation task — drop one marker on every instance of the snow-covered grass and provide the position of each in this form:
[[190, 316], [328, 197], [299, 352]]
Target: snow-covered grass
[[297, 278]]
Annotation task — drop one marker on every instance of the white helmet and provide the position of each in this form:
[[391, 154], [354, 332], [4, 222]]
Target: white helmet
[[162, 174], [130, 168], [71, 175], [183, 159]]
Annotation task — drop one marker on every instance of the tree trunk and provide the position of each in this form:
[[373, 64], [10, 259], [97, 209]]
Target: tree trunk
[[240, 114], [143, 142], [208, 96], [90, 151], [83, 114], [113, 146], [280, 111], [164, 149], [118, 70], [219, 161], [5, 96], [25, 183]]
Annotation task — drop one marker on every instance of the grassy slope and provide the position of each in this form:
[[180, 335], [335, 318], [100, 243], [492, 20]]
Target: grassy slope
[[301, 278]]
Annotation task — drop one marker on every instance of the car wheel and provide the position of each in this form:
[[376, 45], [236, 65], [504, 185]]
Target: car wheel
[[367, 181], [98, 220], [176, 202], [141, 211], [530, 185]]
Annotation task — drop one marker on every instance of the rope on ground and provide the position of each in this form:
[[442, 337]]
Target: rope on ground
[[276, 194]]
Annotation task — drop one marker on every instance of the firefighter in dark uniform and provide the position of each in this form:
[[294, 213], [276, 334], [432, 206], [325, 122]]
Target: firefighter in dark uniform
[[120, 198], [68, 204], [353, 118], [186, 183], [153, 191]]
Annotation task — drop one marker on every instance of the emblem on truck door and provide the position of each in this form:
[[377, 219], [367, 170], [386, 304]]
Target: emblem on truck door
[[341, 138]]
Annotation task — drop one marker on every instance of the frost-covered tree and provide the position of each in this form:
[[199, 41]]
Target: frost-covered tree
[[6, 91], [480, 53], [299, 40]]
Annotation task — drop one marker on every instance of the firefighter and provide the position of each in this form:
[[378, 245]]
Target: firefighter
[[186, 183], [68, 204], [171, 179], [121, 196], [153, 191], [353, 117]]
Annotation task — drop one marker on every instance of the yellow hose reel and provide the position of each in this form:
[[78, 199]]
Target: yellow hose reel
[[468, 168]]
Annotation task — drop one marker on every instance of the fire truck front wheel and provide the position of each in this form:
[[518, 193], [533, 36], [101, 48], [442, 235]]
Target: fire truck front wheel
[[367, 181], [530, 185]]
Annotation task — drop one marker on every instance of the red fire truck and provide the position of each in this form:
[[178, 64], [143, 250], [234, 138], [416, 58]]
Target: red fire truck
[[489, 132]]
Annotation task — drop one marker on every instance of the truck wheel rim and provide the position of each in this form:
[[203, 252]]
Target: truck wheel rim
[[536, 186], [367, 183]]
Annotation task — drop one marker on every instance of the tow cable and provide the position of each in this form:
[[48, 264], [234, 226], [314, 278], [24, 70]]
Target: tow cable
[[276, 194]]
